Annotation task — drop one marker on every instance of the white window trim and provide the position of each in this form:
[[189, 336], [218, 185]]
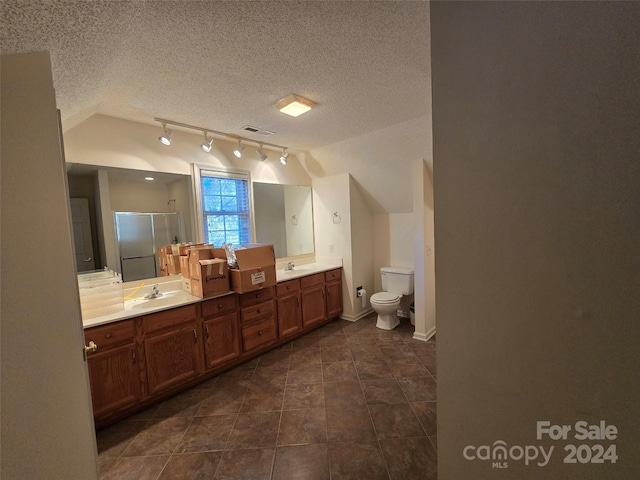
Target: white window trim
[[196, 175]]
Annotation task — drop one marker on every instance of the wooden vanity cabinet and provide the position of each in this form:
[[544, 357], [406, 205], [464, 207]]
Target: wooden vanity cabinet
[[312, 298], [114, 369], [221, 330], [333, 287], [288, 305], [170, 347], [257, 319]]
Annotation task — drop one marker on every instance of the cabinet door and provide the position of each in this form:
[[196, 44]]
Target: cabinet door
[[313, 305], [221, 342], [289, 317], [334, 299], [114, 377], [171, 357]]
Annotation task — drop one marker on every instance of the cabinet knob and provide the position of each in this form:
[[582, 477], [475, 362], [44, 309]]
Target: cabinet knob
[[108, 335], [260, 332], [258, 311], [91, 348], [258, 295], [219, 305]]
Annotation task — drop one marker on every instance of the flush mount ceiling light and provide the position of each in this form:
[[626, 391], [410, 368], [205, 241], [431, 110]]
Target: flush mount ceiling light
[[295, 105], [206, 145], [149, 179], [283, 157], [261, 155], [238, 150], [165, 138], [208, 133]]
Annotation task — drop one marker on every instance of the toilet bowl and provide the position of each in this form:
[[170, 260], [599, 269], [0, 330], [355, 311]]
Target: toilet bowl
[[396, 282], [386, 306]]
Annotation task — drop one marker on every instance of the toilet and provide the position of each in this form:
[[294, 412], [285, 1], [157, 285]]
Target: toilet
[[396, 282]]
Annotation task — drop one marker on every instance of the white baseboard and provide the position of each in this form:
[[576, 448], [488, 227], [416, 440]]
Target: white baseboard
[[423, 337], [355, 318]]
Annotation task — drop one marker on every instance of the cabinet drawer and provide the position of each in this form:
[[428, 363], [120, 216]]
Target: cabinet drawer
[[259, 296], [256, 312], [290, 286], [312, 280], [106, 336], [333, 275], [169, 318], [258, 334], [219, 306]]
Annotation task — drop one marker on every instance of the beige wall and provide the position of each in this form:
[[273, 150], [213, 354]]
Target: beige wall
[[536, 180], [46, 422], [114, 142]]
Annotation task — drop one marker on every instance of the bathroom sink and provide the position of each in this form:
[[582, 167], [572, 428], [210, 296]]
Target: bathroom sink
[[167, 299]]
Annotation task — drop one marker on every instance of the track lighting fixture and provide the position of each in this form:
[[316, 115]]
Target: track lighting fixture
[[238, 150], [261, 155], [165, 138], [283, 157], [206, 145]]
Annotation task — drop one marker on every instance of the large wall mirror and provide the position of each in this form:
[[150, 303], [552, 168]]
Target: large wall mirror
[[283, 214], [105, 201], [284, 217]]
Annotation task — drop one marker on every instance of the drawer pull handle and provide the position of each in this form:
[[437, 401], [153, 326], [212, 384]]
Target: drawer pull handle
[[206, 331], [195, 335], [133, 354], [108, 335]]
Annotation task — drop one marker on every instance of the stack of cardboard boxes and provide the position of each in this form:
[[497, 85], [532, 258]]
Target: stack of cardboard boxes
[[206, 273]]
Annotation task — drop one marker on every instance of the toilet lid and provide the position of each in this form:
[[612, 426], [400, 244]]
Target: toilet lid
[[385, 297]]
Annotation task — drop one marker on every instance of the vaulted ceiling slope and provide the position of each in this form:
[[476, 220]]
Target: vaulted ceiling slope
[[224, 64]]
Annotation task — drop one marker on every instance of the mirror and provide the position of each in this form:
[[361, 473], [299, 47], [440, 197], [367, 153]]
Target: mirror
[[97, 192], [284, 217]]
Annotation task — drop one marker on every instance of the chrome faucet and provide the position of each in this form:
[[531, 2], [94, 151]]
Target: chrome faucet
[[154, 293], [289, 267]]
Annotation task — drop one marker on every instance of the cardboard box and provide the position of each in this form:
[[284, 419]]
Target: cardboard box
[[256, 269], [212, 277], [163, 261], [173, 264], [184, 266], [186, 284]]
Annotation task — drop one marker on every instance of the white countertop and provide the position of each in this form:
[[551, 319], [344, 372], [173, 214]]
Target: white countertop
[[135, 304]]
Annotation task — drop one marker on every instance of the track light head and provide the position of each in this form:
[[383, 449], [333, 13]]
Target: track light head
[[165, 138], [283, 157], [261, 155], [206, 145], [238, 150]]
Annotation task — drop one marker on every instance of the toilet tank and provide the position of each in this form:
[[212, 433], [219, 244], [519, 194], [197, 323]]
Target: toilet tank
[[397, 280]]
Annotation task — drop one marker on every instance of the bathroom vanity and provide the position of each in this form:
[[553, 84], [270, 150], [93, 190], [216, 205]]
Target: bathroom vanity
[[146, 354]]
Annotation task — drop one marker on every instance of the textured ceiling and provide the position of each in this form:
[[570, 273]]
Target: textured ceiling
[[223, 65]]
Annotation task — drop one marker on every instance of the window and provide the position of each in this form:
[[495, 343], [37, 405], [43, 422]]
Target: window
[[225, 207]]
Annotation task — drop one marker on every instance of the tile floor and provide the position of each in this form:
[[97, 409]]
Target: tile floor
[[346, 401]]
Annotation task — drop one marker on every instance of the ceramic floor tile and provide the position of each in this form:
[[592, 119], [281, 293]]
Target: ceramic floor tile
[[191, 466], [304, 356], [207, 434], [427, 414], [351, 461], [336, 354], [303, 396], [250, 464], [305, 373], [374, 368], [418, 389], [342, 394], [223, 398], [407, 368], [136, 468], [382, 390], [263, 397], [302, 462], [114, 440], [339, 372], [160, 438], [350, 424], [303, 426], [185, 404], [393, 421], [254, 430], [410, 458]]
